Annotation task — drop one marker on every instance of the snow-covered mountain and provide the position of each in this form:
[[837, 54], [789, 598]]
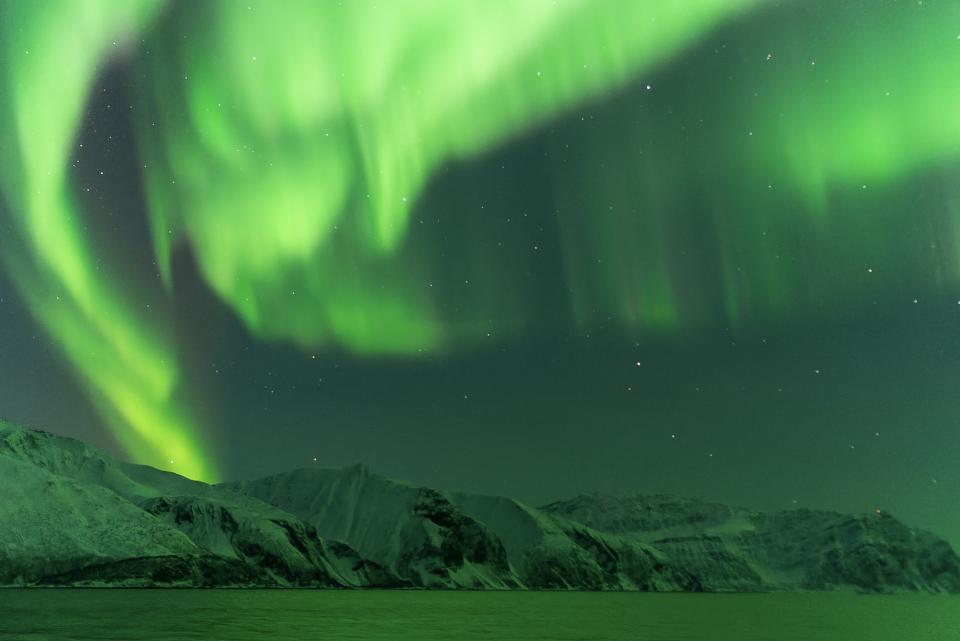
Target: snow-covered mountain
[[72, 515], [608, 542]]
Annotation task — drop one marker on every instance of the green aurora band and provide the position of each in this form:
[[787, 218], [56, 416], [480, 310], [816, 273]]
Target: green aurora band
[[51, 53], [287, 144], [813, 128]]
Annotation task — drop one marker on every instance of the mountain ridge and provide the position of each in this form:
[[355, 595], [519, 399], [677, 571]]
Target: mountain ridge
[[74, 516]]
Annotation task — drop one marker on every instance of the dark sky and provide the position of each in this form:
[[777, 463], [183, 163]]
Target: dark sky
[[732, 275]]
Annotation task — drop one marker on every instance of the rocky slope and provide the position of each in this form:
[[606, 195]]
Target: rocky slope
[[415, 532], [735, 548], [435, 539], [71, 515], [551, 552]]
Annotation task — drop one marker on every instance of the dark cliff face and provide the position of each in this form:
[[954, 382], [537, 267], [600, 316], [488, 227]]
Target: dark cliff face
[[74, 516], [462, 540]]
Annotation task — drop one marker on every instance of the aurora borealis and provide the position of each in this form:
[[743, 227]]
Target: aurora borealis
[[720, 238]]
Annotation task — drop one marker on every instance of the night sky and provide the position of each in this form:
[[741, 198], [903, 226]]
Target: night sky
[[530, 248]]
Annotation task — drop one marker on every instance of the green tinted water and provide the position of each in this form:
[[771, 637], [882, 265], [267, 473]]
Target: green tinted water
[[172, 615]]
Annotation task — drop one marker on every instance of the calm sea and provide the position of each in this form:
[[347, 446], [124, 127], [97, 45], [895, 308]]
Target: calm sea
[[212, 615]]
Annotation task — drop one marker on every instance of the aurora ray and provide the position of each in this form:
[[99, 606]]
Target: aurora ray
[[50, 56]]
